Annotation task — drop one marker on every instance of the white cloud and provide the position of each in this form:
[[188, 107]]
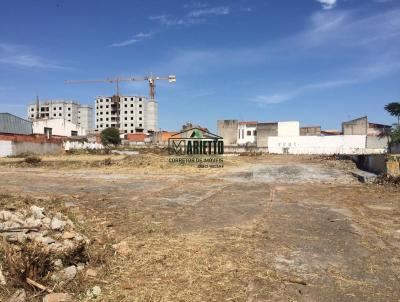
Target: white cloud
[[328, 4], [365, 72], [217, 11], [17, 55], [281, 97], [197, 16], [136, 38]]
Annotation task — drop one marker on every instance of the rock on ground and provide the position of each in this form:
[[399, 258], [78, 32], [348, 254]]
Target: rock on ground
[[57, 224], [94, 292], [66, 274], [122, 248], [57, 297]]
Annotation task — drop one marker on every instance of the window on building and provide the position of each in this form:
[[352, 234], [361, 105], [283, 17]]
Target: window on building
[[140, 99], [126, 118], [60, 108], [248, 133], [131, 99], [140, 118], [33, 109], [140, 112], [106, 118], [107, 112], [126, 112], [140, 106], [126, 99], [106, 106], [140, 125], [131, 131], [132, 118], [59, 114], [101, 119], [69, 114], [126, 125], [131, 112], [69, 108], [42, 109], [131, 125], [242, 133], [97, 126], [255, 132], [32, 115], [101, 106], [126, 105], [126, 131], [74, 133], [107, 125], [55, 108], [131, 105]]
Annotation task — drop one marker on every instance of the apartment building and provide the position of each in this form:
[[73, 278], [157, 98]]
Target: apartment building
[[129, 114], [71, 111]]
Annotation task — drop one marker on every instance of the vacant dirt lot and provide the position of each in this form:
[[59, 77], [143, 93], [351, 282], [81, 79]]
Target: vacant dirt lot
[[263, 228]]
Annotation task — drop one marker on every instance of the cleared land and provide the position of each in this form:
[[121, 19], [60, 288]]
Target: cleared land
[[263, 228]]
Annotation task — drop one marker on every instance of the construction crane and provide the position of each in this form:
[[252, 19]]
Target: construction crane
[[151, 80]]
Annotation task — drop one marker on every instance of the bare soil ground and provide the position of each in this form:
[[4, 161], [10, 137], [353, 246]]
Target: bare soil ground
[[263, 228]]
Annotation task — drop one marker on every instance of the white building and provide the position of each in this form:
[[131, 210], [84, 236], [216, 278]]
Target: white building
[[288, 128], [247, 133], [81, 115], [129, 114], [57, 126]]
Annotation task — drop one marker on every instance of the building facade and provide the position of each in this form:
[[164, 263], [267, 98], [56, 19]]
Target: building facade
[[80, 115], [129, 114], [58, 127], [247, 133]]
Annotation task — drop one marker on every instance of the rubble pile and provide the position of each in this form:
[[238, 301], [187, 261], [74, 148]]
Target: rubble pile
[[54, 238]]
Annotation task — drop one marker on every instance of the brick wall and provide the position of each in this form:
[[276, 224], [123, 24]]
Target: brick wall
[[33, 138]]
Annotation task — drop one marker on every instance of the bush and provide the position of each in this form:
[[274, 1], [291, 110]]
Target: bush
[[33, 160], [110, 136]]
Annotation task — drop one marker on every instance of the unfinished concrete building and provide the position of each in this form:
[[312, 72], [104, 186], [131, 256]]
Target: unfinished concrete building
[[71, 111], [310, 131], [228, 129], [361, 126], [129, 114], [264, 131]]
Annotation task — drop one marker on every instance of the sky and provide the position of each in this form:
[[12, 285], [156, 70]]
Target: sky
[[319, 62]]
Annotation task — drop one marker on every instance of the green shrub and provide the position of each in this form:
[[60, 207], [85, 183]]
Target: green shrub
[[110, 136]]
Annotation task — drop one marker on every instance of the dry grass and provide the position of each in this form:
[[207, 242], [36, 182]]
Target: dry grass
[[26, 261]]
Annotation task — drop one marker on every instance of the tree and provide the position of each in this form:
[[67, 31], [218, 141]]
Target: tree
[[110, 136], [394, 110]]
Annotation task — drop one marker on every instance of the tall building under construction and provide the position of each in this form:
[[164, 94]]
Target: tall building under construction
[[71, 111], [129, 114]]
